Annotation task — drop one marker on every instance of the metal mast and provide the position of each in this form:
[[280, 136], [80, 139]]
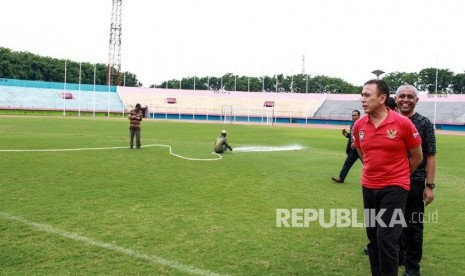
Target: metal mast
[[114, 52], [303, 64]]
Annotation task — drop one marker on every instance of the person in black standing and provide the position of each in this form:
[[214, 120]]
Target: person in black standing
[[420, 195], [351, 152]]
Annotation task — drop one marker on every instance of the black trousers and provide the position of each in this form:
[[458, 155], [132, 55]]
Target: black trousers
[[132, 132], [383, 245], [351, 158], [412, 235]]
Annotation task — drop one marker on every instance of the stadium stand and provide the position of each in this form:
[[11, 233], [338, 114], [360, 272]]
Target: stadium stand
[[450, 109], [214, 102], [33, 98], [206, 105], [338, 106]]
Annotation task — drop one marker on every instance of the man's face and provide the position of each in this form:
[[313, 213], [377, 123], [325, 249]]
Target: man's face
[[406, 100], [371, 100], [355, 116]]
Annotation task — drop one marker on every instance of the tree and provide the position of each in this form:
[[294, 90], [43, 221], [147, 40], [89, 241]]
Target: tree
[[458, 83], [255, 84], [241, 83], [278, 85], [299, 83], [324, 84], [396, 79], [228, 82], [130, 79], [427, 80], [28, 66]]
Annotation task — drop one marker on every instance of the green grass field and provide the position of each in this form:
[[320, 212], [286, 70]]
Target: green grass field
[[146, 212]]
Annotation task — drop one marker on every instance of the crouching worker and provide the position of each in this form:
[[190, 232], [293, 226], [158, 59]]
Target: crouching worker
[[221, 143]]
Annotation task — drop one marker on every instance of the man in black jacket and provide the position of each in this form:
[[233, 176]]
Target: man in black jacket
[[351, 152], [420, 195]]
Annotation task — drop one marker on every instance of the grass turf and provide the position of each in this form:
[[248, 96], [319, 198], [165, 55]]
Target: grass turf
[[218, 216]]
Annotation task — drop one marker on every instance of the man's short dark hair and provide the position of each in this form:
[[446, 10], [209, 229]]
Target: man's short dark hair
[[355, 110], [382, 86], [138, 105], [391, 103]]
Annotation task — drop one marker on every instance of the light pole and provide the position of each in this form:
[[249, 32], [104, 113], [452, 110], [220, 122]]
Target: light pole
[[306, 84], [378, 73], [276, 83]]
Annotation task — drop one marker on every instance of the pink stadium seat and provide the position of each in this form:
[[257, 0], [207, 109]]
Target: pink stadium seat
[[170, 100], [67, 96], [268, 104]]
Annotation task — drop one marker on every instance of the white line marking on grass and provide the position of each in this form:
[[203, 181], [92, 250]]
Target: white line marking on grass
[[130, 252], [112, 148], [56, 150]]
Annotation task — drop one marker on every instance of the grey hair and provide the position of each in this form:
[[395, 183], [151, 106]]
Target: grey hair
[[409, 88]]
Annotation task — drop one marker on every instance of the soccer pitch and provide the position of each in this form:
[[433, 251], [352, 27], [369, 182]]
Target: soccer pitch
[[109, 210]]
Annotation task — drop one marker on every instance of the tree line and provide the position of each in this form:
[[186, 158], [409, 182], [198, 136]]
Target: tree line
[[425, 80], [28, 66], [301, 83]]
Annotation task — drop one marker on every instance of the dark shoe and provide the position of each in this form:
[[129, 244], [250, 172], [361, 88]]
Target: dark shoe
[[365, 250], [337, 180], [411, 272], [130, 147]]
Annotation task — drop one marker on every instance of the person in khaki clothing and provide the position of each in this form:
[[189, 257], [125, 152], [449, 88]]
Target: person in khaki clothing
[[221, 143], [135, 117]]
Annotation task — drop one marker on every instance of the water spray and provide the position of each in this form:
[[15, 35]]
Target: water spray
[[267, 148]]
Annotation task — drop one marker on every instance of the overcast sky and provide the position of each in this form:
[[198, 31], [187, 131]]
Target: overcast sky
[[165, 39]]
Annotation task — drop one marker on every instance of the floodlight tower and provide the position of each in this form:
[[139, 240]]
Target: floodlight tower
[[114, 52]]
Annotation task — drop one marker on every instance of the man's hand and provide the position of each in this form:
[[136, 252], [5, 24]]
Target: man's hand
[[428, 195], [344, 132]]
